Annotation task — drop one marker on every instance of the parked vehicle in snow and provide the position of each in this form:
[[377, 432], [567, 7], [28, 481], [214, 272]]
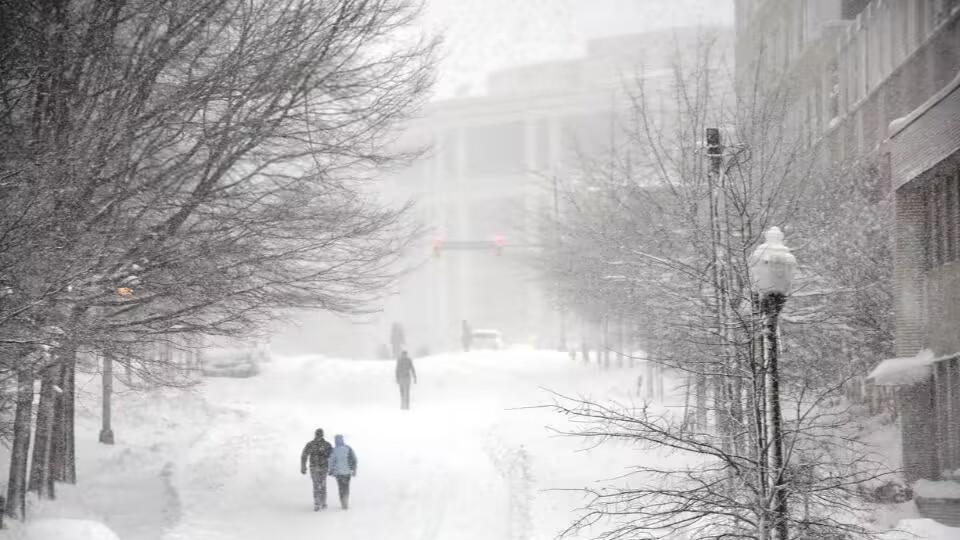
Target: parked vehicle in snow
[[233, 358], [486, 339]]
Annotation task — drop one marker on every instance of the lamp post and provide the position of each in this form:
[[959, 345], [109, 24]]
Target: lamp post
[[106, 430], [772, 267]]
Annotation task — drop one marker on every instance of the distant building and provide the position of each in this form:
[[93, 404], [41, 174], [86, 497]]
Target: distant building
[[881, 79], [488, 178]]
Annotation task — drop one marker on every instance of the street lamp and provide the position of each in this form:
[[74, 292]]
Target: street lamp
[[772, 267]]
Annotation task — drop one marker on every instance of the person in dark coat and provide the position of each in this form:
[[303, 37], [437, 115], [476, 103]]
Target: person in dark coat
[[397, 339], [343, 467], [466, 335], [405, 373], [317, 452]]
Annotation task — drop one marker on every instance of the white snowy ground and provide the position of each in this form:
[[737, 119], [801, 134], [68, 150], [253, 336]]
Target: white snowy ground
[[460, 465], [221, 461]]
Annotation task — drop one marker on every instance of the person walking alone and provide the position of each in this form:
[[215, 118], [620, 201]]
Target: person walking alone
[[405, 372], [343, 467], [317, 452], [397, 339], [466, 335]]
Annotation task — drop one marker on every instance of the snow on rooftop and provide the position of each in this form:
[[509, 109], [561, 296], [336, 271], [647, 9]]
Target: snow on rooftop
[[904, 370]]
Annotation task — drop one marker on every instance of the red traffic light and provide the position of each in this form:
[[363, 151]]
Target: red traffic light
[[499, 241]]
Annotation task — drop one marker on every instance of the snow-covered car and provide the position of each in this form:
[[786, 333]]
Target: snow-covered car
[[486, 339], [238, 359]]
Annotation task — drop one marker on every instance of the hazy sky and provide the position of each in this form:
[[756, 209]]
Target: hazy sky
[[483, 35]]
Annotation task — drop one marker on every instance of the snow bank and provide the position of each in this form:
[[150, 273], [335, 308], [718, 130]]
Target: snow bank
[[67, 529], [903, 371], [930, 489], [922, 529]]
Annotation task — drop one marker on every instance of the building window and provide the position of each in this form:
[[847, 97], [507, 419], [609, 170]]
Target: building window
[[946, 375], [906, 39], [863, 52], [934, 230], [833, 90], [942, 223], [950, 218]]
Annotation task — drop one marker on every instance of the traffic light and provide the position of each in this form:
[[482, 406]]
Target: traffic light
[[714, 149], [713, 141], [437, 245], [498, 242]]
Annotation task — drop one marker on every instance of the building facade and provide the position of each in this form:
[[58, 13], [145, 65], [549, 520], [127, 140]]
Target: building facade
[[880, 80], [488, 179]]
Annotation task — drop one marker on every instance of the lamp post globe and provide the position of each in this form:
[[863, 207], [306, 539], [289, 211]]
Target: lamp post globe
[[772, 265]]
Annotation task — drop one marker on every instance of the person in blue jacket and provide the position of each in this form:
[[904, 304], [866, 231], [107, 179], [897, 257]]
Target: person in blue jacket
[[343, 467]]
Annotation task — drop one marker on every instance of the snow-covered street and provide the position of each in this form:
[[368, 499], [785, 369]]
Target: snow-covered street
[[475, 458], [468, 461], [460, 464]]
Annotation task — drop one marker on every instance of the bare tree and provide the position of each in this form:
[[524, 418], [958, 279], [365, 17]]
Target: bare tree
[[674, 221], [182, 167]]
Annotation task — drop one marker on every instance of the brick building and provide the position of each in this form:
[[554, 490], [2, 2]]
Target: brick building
[[881, 79]]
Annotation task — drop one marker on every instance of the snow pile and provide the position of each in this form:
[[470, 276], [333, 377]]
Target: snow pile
[[66, 529], [903, 371], [930, 489], [922, 529]]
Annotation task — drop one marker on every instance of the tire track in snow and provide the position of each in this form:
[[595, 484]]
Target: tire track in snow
[[514, 466], [214, 475]]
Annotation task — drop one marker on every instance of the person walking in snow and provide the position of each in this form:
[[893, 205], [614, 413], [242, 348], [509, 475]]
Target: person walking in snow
[[343, 467], [317, 452], [466, 335], [405, 372], [397, 339]]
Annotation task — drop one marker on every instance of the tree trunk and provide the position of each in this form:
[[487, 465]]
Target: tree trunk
[[17, 482], [41, 471], [621, 346], [660, 383], [64, 449], [604, 349], [649, 382], [700, 393]]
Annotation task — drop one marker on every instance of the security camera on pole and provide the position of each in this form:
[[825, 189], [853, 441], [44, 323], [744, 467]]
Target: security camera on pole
[[772, 267]]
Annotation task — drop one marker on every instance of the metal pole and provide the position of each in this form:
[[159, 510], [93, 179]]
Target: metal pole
[[106, 433], [772, 303]]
